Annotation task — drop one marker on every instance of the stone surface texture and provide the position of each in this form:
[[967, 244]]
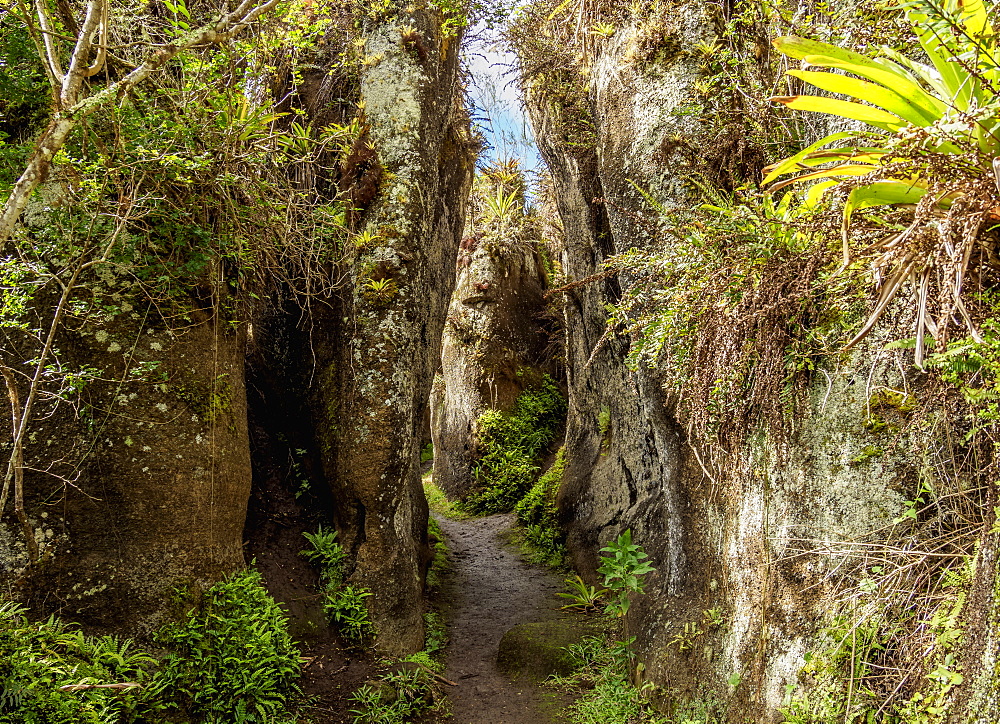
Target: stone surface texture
[[376, 360], [759, 545], [493, 349]]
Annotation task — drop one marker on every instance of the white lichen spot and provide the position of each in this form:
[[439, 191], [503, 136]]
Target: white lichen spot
[[114, 347], [146, 448], [161, 406], [145, 470], [156, 346], [101, 336], [199, 439]]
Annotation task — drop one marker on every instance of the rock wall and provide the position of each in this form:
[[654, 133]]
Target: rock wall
[[748, 563], [146, 485], [143, 482], [376, 356], [622, 448]]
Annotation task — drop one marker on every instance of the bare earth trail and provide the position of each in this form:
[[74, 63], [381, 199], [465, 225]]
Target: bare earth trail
[[491, 590]]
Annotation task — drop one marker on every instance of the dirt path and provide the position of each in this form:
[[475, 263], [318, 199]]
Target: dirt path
[[492, 590]]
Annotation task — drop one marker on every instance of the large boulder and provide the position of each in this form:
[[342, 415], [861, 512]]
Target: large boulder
[[540, 649], [376, 350], [494, 340], [139, 480], [749, 551]]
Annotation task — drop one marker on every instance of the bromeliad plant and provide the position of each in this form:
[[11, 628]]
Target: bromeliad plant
[[581, 596], [937, 132]]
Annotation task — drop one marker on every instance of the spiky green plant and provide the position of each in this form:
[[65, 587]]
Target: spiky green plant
[[927, 117]]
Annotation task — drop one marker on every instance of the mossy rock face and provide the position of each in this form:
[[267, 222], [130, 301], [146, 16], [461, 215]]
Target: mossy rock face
[[538, 650]]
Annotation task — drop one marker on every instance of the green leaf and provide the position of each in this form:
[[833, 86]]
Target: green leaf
[[975, 18], [817, 191], [873, 93], [957, 85], [845, 109], [800, 48], [878, 70], [843, 170], [854, 154], [899, 82], [882, 193], [925, 73], [789, 164]]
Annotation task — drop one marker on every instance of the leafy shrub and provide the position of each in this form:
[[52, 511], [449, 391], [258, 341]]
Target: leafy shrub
[[538, 506], [537, 512], [38, 659], [327, 555], [601, 667], [623, 568], [343, 605], [510, 444], [607, 696], [410, 694], [231, 658]]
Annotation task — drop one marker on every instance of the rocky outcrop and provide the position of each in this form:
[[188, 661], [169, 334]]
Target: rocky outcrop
[[141, 481], [144, 484], [750, 559], [493, 348], [377, 352]]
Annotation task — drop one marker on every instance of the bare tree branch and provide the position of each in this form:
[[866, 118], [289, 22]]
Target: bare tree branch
[[15, 470], [51, 58], [36, 38], [102, 48]]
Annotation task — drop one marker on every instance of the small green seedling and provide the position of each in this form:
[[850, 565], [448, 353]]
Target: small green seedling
[[623, 569]]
